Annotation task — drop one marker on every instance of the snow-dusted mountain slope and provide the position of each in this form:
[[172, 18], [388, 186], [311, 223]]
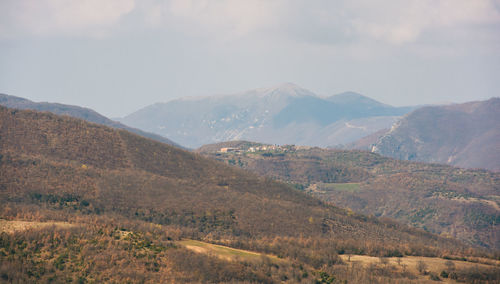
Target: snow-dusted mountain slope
[[285, 114]]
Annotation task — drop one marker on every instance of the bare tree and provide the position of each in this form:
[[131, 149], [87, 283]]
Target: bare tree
[[421, 266], [383, 260]]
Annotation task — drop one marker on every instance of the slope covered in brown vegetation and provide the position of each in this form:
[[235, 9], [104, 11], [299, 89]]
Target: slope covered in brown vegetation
[[438, 198], [464, 135], [105, 250], [78, 112], [132, 196], [96, 249]]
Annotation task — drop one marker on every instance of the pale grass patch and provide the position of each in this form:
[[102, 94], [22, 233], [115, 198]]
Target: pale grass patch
[[11, 226], [225, 252]]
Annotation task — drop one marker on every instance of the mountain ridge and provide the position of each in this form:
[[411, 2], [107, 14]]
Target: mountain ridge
[[464, 135], [78, 112]]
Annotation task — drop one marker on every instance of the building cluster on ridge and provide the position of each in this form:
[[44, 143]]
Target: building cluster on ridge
[[262, 148]]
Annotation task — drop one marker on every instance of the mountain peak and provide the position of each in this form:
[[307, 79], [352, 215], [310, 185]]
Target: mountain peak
[[287, 86], [288, 89], [285, 89]]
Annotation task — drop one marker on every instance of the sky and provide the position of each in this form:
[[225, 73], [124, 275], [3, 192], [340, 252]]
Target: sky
[[117, 56]]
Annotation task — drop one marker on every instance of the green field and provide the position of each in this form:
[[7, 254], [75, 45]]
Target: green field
[[350, 187]]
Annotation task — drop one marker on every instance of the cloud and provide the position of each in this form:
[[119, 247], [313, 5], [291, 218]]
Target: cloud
[[322, 22], [61, 17], [399, 22], [392, 22], [217, 19]]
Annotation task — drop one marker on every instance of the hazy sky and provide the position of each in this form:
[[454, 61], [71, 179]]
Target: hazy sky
[[117, 56]]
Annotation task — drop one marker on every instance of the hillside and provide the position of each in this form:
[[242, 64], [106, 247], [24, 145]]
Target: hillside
[[463, 135], [438, 198], [365, 143], [285, 114], [78, 112], [46, 157], [128, 197]]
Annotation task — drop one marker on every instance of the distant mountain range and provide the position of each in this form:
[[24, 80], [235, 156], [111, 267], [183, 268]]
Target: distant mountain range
[[464, 135], [78, 112], [286, 114]]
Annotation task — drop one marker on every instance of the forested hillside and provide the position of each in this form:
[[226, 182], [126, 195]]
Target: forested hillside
[[78, 112], [438, 198], [127, 200]]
